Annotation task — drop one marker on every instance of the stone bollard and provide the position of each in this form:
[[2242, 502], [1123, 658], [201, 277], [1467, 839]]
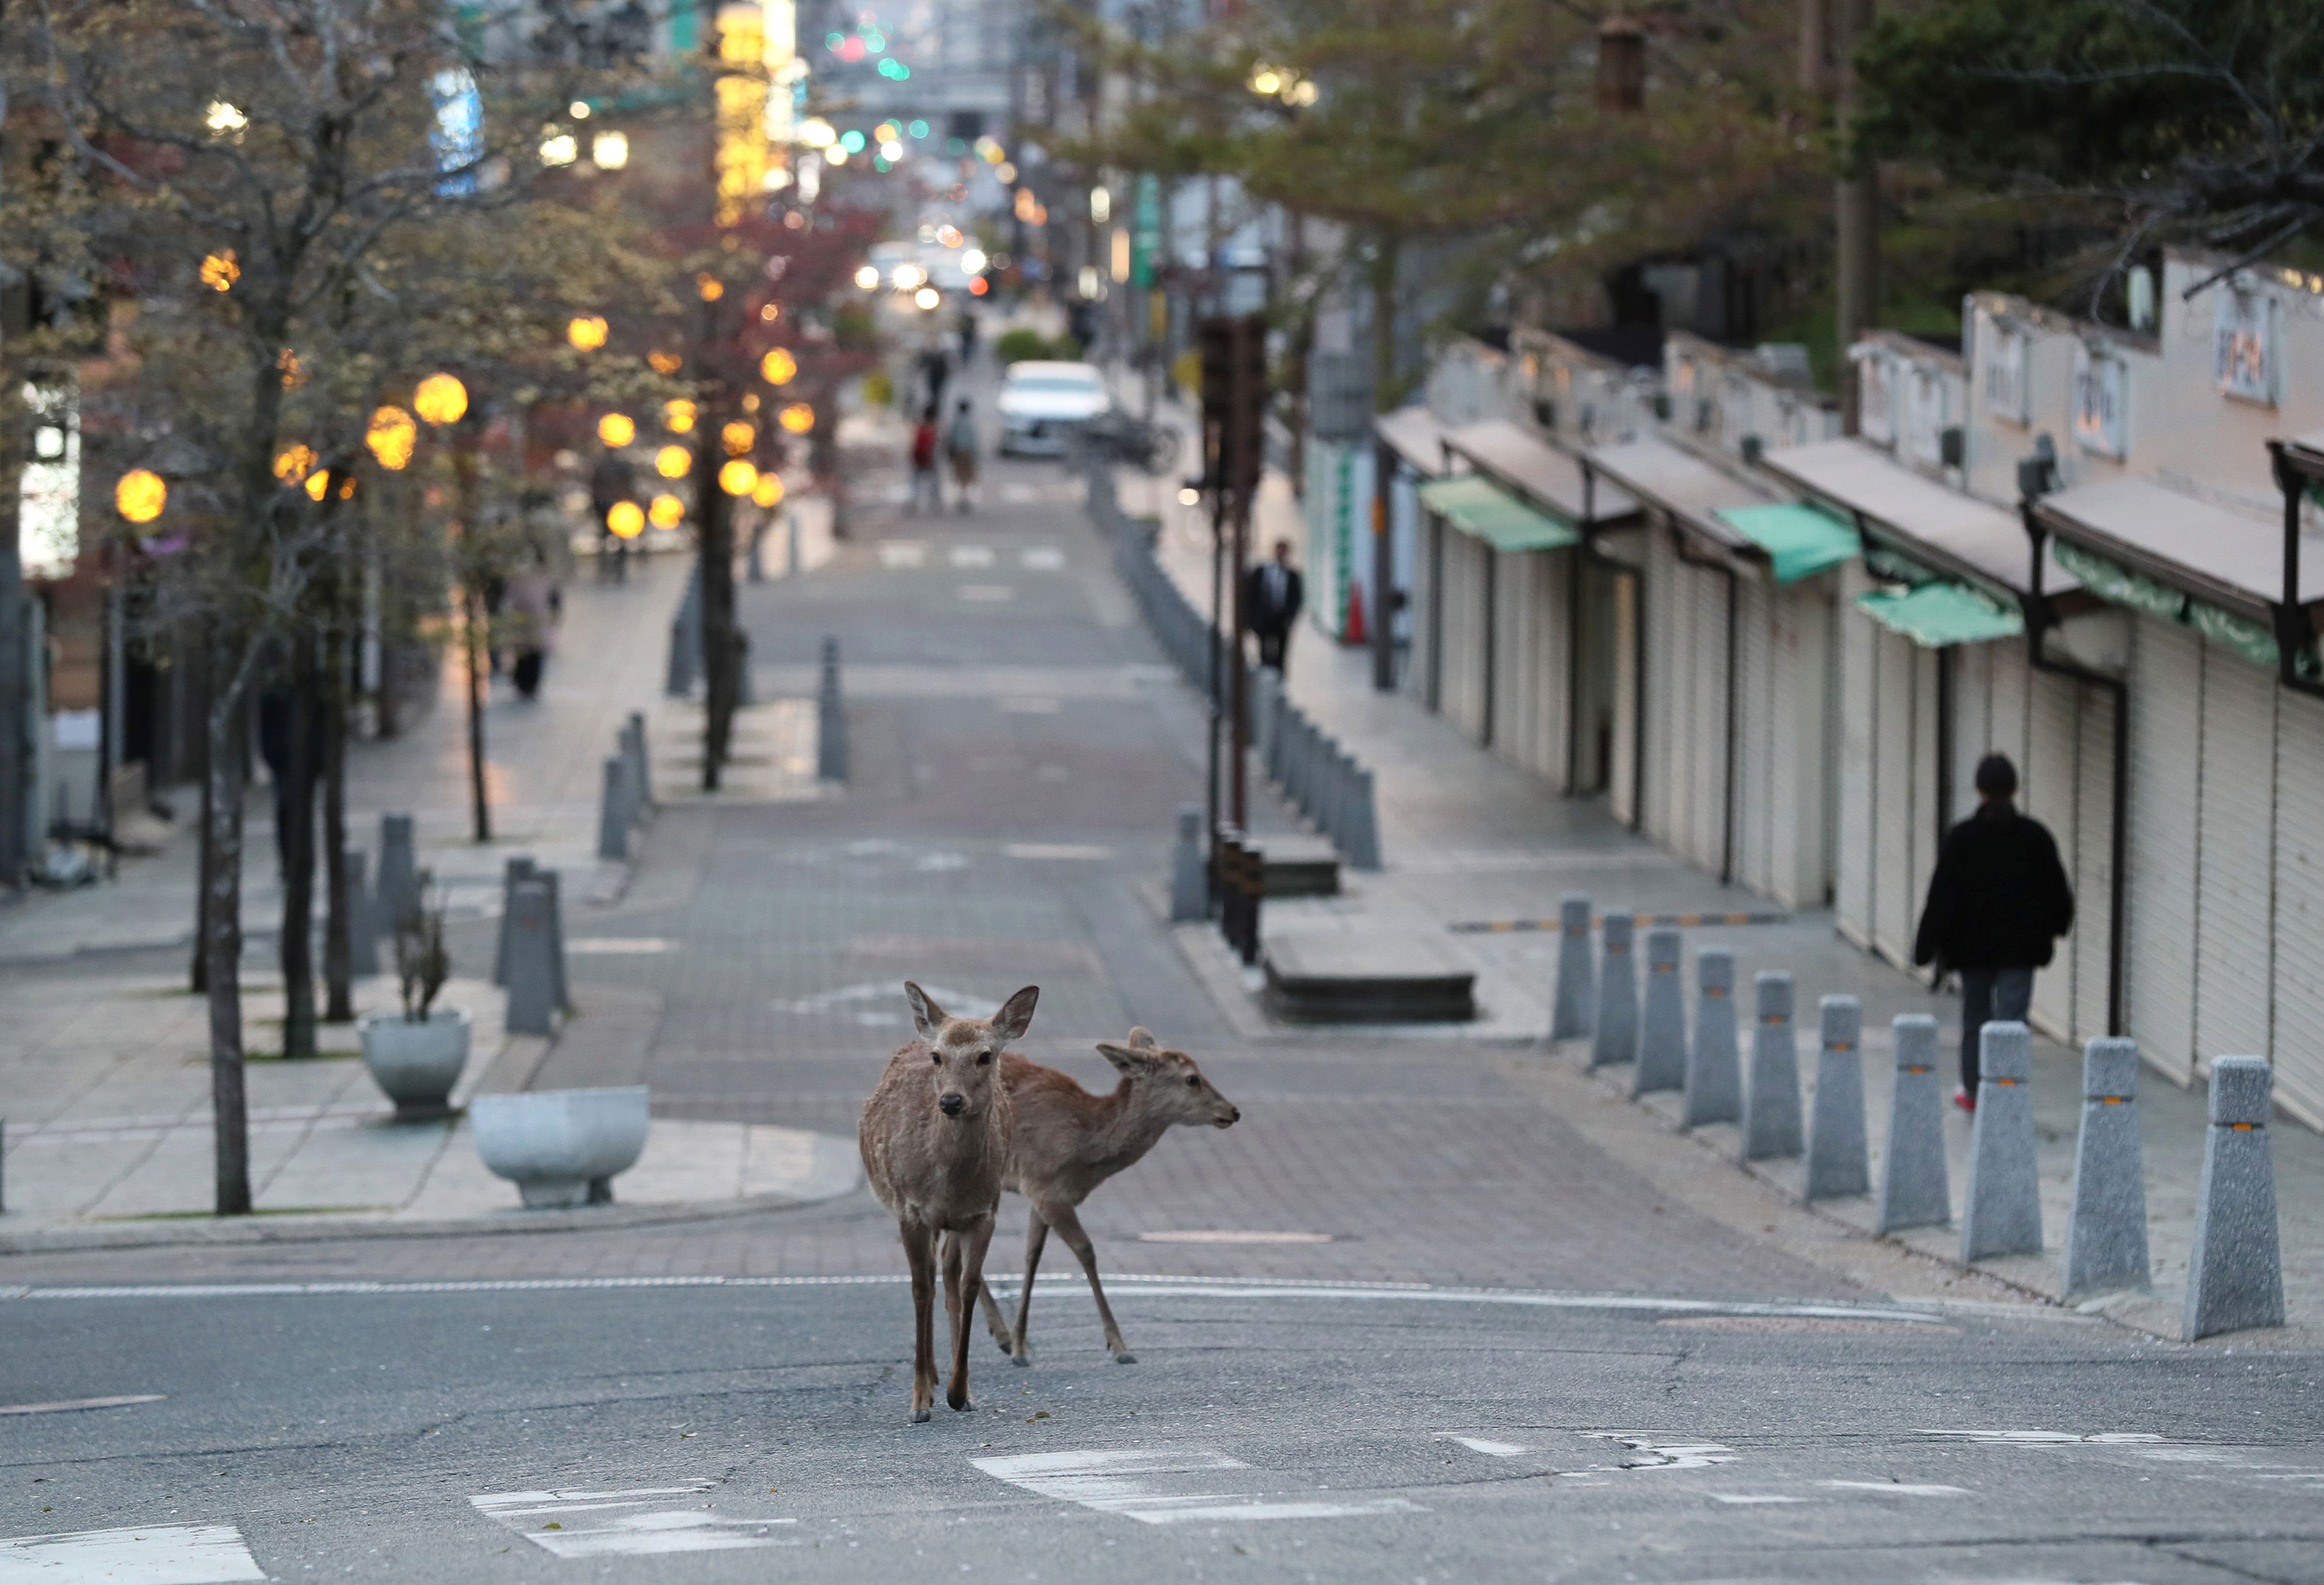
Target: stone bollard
[[1615, 1037], [532, 959], [1838, 1160], [685, 639], [520, 868], [561, 983], [615, 815], [1570, 1015], [641, 761], [2234, 1274], [1190, 886], [1915, 1188], [1343, 800], [1714, 1070], [1362, 846], [2002, 1212], [1266, 705], [362, 918], [1662, 1031], [1279, 727], [1332, 814], [2105, 1234], [1299, 762], [830, 719], [398, 871], [1771, 1100], [791, 550]]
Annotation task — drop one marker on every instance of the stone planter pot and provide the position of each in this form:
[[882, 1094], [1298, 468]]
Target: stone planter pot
[[417, 1064], [561, 1147]]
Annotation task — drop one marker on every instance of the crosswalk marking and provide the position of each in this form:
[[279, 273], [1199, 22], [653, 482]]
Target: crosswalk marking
[[150, 1554], [1169, 1486], [1486, 1446], [987, 593], [1894, 1488], [1042, 558], [640, 1522], [897, 553], [972, 555]]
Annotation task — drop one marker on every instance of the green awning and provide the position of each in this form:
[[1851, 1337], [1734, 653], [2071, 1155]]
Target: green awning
[[1937, 614], [1481, 508], [1800, 539]]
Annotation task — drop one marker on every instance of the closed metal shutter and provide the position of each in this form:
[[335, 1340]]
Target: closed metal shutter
[[2093, 872], [1858, 712], [1464, 633], [2300, 906], [1710, 803], [1549, 665], [1925, 774], [1891, 792], [2047, 776], [1662, 591], [1972, 690], [1794, 760], [2233, 919], [1755, 757], [2010, 679], [1621, 776], [2166, 764]]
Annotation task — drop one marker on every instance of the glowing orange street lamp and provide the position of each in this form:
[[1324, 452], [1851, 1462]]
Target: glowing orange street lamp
[[738, 477], [220, 271], [626, 520], [294, 464], [768, 491], [678, 415], [666, 512], [737, 438], [140, 495], [617, 430], [392, 437], [440, 399], [778, 366], [587, 332], [797, 418], [672, 461]]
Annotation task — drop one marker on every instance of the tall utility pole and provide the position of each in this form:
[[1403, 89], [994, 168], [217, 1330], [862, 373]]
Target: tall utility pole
[[1234, 417], [1856, 194], [16, 710]]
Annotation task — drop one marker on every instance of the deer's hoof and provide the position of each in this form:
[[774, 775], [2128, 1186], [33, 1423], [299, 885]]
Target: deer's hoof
[[1021, 1360], [919, 1416], [960, 1402], [1125, 1357]]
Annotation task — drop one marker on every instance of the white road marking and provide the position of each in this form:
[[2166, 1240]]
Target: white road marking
[[1027, 706], [152, 1555], [1652, 1454], [986, 593], [899, 554], [1144, 1284], [619, 945], [1056, 850], [1479, 1445], [637, 1523], [68, 1405], [1743, 1500], [1166, 1487], [1042, 558], [2049, 1438], [1233, 1236], [890, 994], [968, 555], [1894, 1488]]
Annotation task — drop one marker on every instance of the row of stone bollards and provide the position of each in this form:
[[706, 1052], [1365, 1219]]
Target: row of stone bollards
[[1315, 773], [2234, 1278], [627, 795]]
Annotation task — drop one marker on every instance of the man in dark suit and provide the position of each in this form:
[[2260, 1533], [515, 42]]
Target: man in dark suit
[[1997, 903], [1271, 597]]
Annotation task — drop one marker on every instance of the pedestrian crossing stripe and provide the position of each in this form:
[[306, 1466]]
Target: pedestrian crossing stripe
[[1682, 921], [1171, 1486], [643, 1521], [136, 1554]]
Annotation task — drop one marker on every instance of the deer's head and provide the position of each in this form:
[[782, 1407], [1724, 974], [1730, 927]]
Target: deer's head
[[966, 1051], [1169, 1082]]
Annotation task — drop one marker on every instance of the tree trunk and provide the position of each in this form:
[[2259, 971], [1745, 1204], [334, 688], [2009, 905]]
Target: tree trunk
[[295, 807], [1387, 260], [718, 649], [338, 928], [472, 621], [198, 974], [222, 935]]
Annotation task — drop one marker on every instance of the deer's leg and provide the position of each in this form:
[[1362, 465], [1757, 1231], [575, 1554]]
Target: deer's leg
[[1060, 1215], [964, 1265], [1036, 1234], [920, 1252], [994, 1320]]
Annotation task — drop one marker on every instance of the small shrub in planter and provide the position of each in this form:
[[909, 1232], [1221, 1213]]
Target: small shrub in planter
[[417, 1055]]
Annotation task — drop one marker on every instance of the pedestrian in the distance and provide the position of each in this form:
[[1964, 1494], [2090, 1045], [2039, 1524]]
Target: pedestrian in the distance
[[960, 450], [1272, 594], [925, 487], [610, 483], [533, 605], [1998, 903]]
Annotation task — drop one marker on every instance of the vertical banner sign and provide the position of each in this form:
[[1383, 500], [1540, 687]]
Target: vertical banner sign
[[2244, 347], [1147, 240], [2101, 396]]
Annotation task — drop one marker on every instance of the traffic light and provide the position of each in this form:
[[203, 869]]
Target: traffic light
[[1234, 400]]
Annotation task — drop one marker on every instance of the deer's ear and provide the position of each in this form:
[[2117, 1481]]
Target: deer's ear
[[927, 1017], [1016, 1014], [1142, 1039], [1132, 1062]]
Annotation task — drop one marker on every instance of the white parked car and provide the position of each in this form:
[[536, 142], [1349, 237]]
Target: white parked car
[[1042, 404]]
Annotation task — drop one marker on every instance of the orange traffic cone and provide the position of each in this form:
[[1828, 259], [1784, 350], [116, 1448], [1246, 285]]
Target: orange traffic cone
[[1355, 613]]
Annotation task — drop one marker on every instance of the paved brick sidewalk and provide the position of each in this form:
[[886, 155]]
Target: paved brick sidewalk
[[1470, 839]]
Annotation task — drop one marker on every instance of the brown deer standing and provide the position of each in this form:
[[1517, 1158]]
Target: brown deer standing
[[1069, 1141], [934, 1137]]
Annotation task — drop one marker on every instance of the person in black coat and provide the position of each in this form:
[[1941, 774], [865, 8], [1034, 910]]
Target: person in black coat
[[1998, 903], [1272, 596]]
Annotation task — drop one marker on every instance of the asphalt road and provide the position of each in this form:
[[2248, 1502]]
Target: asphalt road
[[742, 1433], [1455, 1341]]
